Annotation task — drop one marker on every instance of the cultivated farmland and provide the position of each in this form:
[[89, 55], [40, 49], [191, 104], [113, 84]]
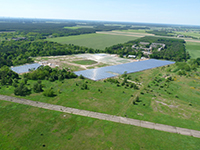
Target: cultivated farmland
[[96, 41], [193, 48]]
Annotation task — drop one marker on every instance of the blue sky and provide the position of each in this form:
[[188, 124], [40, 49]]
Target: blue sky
[[147, 11]]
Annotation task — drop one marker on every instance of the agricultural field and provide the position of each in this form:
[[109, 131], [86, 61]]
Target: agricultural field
[[95, 41], [74, 28], [121, 25], [78, 27], [194, 49], [193, 34], [45, 129], [135, 31]]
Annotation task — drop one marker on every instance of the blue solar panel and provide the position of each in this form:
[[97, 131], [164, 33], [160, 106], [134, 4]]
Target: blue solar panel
[[25, 68], [112, 71]]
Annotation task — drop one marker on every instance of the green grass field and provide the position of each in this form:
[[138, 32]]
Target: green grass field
[[72, 28], [193, 34], [25, 127], [160, 103], [85, 62], [78, 27], [193, 48], [115, 25], [96, 41], [134, 31], [1, 39]]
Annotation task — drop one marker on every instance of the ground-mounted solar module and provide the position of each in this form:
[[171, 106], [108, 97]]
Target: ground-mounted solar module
[[25, 68], [112, 71]]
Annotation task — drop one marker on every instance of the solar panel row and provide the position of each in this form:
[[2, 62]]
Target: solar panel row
[[25, 68], [112, 71]]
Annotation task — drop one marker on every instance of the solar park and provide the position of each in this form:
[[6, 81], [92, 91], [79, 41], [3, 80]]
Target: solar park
[[25, 68], [112, 71], [105, 72]]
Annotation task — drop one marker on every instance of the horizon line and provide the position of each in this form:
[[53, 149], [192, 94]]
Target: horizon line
[[3, 17]]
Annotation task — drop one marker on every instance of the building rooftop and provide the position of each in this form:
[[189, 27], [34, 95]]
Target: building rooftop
[[144, 43]]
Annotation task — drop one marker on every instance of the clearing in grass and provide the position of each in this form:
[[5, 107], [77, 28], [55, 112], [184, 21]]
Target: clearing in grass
[[85, 62]]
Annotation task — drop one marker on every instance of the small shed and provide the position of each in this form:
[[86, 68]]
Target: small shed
[[131, 56], [144, 43]]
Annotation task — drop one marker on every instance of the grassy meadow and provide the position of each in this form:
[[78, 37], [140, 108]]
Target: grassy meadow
[[134, 31], [25, 127], [96, 41], [85, 62], [193, 48], [73, 28], [193, 34], [162, 102], [78, 27], [1, 39]]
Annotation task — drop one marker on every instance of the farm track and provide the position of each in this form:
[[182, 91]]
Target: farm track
[[101, 116], [195, 41], [123, 34]]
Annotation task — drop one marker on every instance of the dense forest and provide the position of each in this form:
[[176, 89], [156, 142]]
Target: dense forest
[[174, 49], [33, 31], [19, 52]]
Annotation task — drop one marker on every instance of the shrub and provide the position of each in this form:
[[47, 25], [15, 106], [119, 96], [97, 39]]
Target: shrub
[[49, 92], [37, 87], [124, 75], [137, 99], [133, 85], [134, 102], [84, 87], [22, 90], [81, 77]]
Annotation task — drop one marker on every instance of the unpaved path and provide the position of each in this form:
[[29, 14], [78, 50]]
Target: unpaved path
[[123, 34], [195, 41], [144, 34], [102, 116]]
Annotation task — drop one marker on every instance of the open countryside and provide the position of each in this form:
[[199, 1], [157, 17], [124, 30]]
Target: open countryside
[[71, 131], [143, 103], [101, 40], [96, 41], [193, 48]]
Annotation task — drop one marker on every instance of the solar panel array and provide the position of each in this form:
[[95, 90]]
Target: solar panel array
[[112, 71], [25, 68]]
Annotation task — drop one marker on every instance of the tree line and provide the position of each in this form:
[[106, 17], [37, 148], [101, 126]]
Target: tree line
[[20, 52], [20, 83], [174, 49], [43, 30]]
